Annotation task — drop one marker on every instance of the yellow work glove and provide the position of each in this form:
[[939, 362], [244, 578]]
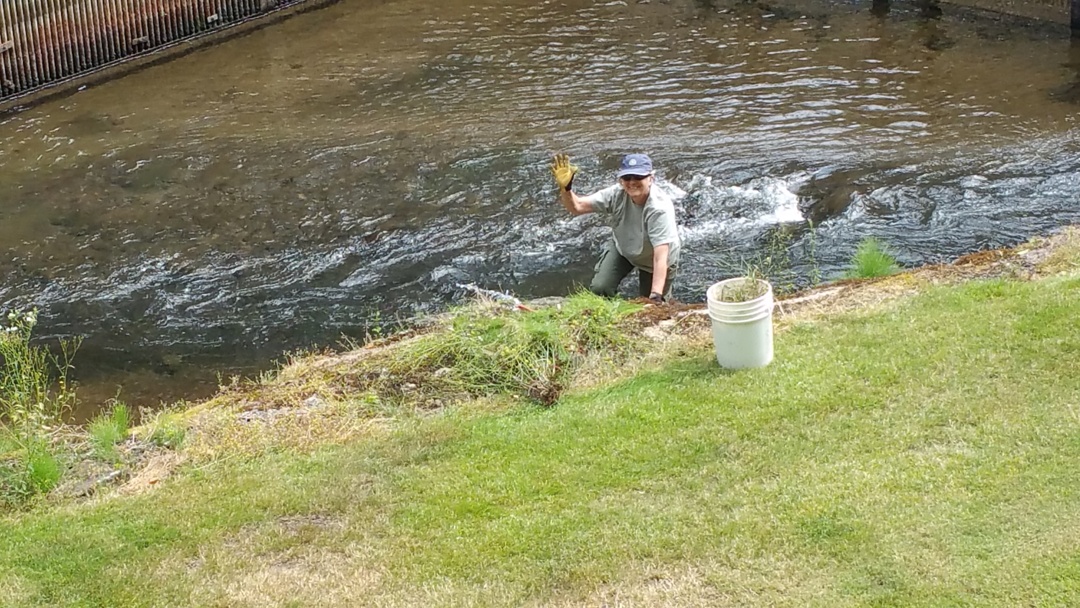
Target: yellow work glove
[[563, 171]]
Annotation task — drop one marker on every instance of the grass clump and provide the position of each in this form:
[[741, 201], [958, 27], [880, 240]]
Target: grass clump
[[164, 428], [872, 260], [108, 429], [28, 467], [744, 289], [486, 349]]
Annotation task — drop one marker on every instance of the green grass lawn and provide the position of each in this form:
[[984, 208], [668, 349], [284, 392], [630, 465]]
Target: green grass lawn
[[927, 454]]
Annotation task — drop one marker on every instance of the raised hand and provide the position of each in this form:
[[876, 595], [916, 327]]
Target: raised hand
[[563, 171]]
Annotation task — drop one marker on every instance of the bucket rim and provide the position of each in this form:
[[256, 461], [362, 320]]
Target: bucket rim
[[712, 293]]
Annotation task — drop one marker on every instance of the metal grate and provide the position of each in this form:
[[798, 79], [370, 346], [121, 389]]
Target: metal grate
[[46, 42]]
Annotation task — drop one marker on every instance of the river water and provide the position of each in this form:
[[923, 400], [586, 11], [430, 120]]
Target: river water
[[351, 166]]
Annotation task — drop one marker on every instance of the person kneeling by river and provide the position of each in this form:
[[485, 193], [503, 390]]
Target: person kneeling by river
[[642, 218]]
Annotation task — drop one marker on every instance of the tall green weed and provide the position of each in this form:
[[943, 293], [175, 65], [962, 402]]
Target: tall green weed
[[27, 468], [871, 259], [28, 400], [32, 403], [108, 429], [775, 261]]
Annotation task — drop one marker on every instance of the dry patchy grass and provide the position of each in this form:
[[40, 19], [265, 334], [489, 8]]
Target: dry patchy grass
[[14, 590], [219, 432], [1057, 253], [765, 581], [298, 560]]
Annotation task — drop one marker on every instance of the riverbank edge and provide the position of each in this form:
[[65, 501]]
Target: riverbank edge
[[300, 408]]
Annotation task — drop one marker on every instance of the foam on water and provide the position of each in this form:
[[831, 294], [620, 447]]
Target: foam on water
[[713, 210]]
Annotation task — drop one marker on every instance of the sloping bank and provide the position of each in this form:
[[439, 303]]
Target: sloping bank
[[914, 443]]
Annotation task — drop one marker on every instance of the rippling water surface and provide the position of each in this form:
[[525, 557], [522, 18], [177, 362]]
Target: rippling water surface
[[352, 166]]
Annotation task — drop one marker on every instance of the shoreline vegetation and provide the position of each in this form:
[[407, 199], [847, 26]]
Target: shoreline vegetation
[[914, 443]]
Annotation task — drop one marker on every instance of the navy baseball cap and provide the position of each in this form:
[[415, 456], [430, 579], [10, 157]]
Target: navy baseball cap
[[635, 164]]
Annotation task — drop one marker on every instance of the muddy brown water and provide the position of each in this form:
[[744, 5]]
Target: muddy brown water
[[350, 167]]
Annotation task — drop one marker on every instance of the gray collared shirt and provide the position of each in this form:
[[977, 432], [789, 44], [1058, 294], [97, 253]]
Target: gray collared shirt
[[638, 229]]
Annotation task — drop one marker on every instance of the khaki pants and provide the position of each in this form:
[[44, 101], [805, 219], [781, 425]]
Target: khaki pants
[[613, 268]]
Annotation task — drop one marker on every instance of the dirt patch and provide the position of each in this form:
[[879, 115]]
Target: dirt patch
[[1059, 253], [156, 467], [984, 258]]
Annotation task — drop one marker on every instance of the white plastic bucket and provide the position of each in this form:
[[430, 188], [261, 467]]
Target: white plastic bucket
[[742, 331]]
